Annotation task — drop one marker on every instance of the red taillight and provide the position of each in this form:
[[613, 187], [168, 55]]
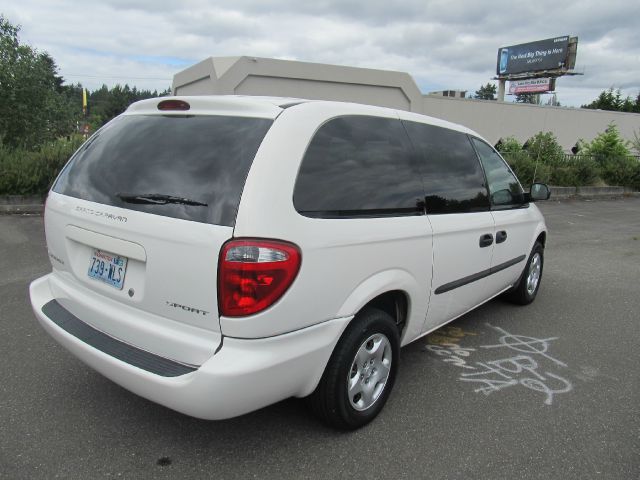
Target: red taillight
[[173, 105], [254, 274]]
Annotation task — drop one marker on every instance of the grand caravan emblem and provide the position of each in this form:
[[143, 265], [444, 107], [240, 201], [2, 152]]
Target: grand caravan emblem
[[98, 213]]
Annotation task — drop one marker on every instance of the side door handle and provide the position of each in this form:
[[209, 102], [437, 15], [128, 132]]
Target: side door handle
[[486, 240], [501, 236]]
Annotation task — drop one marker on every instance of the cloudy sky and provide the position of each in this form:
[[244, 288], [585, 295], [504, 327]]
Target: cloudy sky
[[450, 44]]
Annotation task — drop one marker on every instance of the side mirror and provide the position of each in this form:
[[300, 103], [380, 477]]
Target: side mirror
[[539, 191]]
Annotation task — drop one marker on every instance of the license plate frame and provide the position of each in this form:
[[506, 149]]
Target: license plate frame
[[108, 268]]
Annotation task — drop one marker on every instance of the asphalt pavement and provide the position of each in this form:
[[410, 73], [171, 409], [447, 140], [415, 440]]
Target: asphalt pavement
[[547, 391]]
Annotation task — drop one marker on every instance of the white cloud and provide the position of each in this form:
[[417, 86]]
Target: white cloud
[[442, 43]]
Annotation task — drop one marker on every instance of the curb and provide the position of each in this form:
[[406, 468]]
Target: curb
[[587, 191], [590, 193], [21, 204]]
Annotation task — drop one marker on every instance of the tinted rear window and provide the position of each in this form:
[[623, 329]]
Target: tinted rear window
[[202, 158]]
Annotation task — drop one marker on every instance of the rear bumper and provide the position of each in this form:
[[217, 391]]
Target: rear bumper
[[244, 375]]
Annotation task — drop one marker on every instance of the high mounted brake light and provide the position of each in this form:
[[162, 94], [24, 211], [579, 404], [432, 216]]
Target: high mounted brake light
[[254, 274], [169, 105]]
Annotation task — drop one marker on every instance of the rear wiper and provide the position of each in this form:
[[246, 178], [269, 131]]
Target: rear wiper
[[157, 199]]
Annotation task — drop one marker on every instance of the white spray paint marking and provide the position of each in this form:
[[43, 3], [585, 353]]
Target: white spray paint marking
[[494, 375], [453, 352], [523, 344]]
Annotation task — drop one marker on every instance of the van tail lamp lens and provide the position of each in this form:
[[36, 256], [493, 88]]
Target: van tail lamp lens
[[173, 105], [254, 274]]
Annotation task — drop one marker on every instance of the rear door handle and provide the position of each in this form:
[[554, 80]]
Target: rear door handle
[[501, 236], [486, 240]]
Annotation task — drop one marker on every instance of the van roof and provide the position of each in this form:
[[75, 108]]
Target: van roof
[[241, 105], [263, 107]]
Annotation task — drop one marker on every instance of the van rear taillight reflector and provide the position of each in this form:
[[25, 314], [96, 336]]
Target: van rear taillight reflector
[[179, 105], [254, 274]]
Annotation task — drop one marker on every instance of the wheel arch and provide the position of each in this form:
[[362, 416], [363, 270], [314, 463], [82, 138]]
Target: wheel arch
[[542, 238], [389, 291], [394, 303]]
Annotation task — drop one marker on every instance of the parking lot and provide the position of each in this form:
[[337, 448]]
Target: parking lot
[[551, 390]]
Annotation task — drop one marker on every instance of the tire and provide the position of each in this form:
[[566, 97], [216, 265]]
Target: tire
[[361, 372], [527, 288]]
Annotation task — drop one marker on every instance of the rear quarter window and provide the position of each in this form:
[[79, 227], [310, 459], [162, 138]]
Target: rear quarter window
[[359, 166], [202, 158]]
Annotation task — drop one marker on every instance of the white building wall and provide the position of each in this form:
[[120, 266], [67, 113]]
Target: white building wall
[[383, 96], [492, 119]]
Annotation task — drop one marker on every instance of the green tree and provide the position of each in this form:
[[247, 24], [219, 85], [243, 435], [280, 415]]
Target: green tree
[[608, 144], [532, 98], [627, 105], [509, 145], [635, 143], [612, 154], [105, 104], [32, 110], [545, 146], [612, 100], [486, 92]]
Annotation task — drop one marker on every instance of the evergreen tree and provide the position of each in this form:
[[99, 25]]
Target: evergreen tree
[[608, 144], [635, 143], [33, 110], [545, 146], [532, 98], [105, 104], [509, 145], [612, 100], [486, 92]]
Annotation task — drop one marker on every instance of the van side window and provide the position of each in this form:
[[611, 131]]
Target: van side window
[[453, 178], [504, 188], [359, 166]]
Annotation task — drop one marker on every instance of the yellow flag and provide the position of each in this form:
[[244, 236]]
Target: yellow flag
[[84, 100]]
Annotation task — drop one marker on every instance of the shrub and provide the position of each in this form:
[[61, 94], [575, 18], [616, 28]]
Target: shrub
[[509, 145], [623, 171], [608, 144], [575, 172], [571, 172], [635, 143], [612, 154], [586, 171], [24, 172], [525, 168], [545, 147], [563, 176]]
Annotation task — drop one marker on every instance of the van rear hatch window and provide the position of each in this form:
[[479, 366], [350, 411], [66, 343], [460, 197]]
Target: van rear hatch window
[[188, 167]]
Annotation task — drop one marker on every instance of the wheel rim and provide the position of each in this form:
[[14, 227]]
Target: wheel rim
[[369, 372], [533, 277]]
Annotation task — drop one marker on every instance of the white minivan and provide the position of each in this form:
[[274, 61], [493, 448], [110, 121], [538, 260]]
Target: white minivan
[[217, 254]]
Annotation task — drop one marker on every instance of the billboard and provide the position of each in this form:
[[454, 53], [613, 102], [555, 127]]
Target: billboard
[[549, 54], [534, 85]]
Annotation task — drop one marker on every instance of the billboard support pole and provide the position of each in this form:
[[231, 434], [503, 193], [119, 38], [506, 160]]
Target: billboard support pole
[[501, 87]]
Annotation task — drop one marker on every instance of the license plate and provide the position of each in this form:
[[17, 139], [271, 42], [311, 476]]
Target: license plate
[[108, 268]]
